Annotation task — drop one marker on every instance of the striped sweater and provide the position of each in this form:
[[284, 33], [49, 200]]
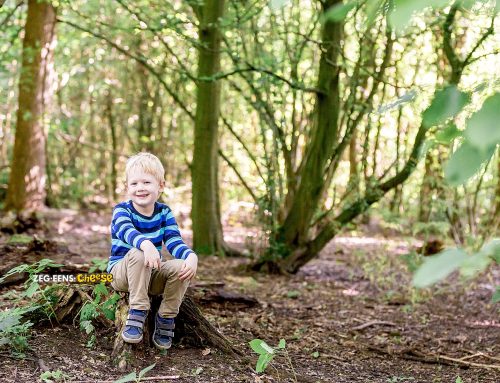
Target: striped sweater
[[129, 229]]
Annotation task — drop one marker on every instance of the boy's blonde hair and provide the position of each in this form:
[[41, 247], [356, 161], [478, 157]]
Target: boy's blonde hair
[[148, 163]]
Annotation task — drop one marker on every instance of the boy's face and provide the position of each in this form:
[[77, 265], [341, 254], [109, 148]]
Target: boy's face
[[143, 188]]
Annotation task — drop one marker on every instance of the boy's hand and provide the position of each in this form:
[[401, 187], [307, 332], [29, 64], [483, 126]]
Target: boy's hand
[[189, 267], [151, 255]]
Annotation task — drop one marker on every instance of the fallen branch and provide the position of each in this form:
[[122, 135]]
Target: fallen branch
[[432, 358], [150, 379], [373, 323]]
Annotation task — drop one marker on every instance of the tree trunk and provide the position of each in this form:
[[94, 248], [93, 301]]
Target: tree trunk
[[207, 229], [27, 178], [324, 132], [114, 145], [303, 254]]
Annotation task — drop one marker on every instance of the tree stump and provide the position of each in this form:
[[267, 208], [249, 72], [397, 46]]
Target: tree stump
[[191, 327]]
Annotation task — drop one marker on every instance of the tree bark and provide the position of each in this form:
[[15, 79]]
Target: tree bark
[[207, 228], [303, 254], [324, 132], [26, 189]]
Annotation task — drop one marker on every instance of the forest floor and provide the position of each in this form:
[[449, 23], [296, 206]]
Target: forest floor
[[348, 316]]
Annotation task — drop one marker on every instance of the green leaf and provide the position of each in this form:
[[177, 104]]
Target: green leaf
[[464, 163], [338, 12], [196, 371], [483, 128], [293, 294], [315, 354], [277, 4], [9, 319], [144, 371], [20, 238], [447, 103], [438, 267], [474, 265], [263, 362], [261, 347], [282, 344], [372, 9], [459, 380], [32, 289], [100, 290], [448, 134], [492, 249], [127, 378], [404, 10], [496, 295], [404, 99]]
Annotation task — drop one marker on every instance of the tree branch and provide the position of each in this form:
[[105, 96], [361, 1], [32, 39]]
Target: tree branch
[[240, 177], [139, 59], [488, 32]]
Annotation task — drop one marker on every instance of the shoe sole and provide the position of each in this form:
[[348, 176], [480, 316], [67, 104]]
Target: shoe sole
[[161, 347], [158, 345], [131, 340]]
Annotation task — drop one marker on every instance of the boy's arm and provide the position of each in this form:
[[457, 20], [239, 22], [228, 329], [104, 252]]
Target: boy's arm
[[123, 228], [176, 246], [173, 240]]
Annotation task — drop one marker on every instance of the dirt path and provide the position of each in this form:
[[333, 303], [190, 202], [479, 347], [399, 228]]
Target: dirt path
[[349, 316]]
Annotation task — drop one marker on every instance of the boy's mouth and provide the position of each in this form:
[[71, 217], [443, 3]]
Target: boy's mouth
[[142, 195]]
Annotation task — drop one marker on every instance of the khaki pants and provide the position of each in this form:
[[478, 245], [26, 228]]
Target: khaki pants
[[131, 275]]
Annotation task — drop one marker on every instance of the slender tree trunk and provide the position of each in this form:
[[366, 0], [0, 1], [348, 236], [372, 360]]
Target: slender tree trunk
[[324, 134], [427, 189], [207, 230], [114, 144], [26, 189]]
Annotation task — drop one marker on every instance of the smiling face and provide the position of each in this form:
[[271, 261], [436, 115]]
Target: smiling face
[[143, 189]]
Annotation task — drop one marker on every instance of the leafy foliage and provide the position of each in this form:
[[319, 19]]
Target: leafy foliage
[[438, 267], [95, 307], [266, 353], [134, 377]]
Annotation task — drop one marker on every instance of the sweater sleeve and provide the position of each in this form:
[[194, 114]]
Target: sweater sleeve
[[172, 238], [123, 228]]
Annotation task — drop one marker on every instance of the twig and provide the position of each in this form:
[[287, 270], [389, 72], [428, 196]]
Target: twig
[[432, 358], [460, 361], [475, 354], [373, 323], [148, 379]]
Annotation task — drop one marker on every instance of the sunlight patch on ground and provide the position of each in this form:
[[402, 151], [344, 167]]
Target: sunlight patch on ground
[[351, 292], [100, 229]]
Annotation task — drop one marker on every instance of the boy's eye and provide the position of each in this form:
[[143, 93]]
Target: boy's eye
[[147, 182], [133, 183]]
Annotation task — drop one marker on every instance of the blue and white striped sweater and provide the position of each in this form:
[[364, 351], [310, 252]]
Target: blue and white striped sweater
[[129, 229]]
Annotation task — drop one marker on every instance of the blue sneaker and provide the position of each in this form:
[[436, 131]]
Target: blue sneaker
[[132, 333], [164, 334]]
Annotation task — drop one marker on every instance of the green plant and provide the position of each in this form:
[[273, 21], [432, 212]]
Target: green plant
[[13, 330], [267, 354], [53, 376], [134, 377], [93, 308], [98, 264], [438, 267]]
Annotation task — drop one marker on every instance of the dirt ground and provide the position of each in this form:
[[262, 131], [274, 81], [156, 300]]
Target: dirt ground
[[348, 316]]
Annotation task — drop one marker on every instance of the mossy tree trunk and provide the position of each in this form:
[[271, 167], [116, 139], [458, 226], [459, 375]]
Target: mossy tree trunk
[[301, 237], [207, 228], [26, 189]]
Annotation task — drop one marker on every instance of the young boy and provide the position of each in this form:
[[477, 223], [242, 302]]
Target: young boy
[[139, 228]]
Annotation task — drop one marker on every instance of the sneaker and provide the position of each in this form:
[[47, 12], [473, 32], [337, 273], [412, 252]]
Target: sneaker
[[132, 333], [164, 334]]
